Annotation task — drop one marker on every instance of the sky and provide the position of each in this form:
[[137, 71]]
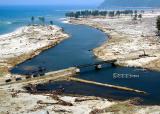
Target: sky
[[50, 2]]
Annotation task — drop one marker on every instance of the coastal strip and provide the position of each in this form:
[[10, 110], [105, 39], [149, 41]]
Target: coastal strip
[[26, 43], [131, 43]]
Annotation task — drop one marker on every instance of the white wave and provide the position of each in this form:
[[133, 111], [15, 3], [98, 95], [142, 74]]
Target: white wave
[[64, 20], [6, 22]]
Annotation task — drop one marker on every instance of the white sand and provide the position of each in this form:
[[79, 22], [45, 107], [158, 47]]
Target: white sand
[[129, 40], [27, 40]]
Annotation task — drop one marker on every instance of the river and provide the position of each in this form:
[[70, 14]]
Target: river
[[75, 51]]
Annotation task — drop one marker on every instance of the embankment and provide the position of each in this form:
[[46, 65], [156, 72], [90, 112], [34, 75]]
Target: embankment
[[132, 44]]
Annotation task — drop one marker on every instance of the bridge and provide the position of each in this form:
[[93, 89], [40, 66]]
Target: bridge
[[69, 74], [40, 71], [97, 65]]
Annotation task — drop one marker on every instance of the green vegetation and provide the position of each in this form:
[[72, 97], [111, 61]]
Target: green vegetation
[[126, 107], [135, 17], [120, 108], [41, 20], [1, 74], [111, 14], [158, 25], [51, 22], [32, 19], [140, 16], [87, 13]]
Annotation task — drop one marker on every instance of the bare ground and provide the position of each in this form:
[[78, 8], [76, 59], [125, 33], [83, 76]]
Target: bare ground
[[27, 42], [133, 43]]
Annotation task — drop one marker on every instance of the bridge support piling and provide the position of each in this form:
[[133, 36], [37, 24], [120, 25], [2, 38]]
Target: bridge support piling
[[98, 67], [78, 70], [113, 64]]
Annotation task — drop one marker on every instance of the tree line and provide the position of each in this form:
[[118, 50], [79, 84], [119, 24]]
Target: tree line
[[87, 13], [41, 20], [133, 13]]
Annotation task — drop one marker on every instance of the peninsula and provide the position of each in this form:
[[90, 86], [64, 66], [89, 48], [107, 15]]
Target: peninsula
[[27, 42]]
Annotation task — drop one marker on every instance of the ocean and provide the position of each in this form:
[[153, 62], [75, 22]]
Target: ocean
[[12, 17]]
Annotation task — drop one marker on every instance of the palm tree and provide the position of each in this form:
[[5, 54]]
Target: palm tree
[[111, 14], [51, 22], [140, 17], [135, 12], [118, 13], [32, 19], [42, 20], [158, 25], [135, 17]]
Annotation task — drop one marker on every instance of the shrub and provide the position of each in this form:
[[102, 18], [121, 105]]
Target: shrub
[[158, 25]]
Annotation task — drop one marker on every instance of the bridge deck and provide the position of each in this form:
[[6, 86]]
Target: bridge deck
[[97, 63], [46, 78]]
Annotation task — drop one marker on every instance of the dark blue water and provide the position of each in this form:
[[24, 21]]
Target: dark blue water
[[147, 81], [75, 51], [71, 52]]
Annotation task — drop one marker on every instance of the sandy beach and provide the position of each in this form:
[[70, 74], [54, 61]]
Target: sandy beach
[[133, 43], [27, 42]]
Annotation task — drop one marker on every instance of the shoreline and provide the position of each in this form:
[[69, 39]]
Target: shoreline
[[45, 35], [147, 57], [24, 102]]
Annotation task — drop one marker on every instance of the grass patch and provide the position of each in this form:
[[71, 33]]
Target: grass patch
[[3, 71], [119, 108], [126, 107], [1, 74]]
